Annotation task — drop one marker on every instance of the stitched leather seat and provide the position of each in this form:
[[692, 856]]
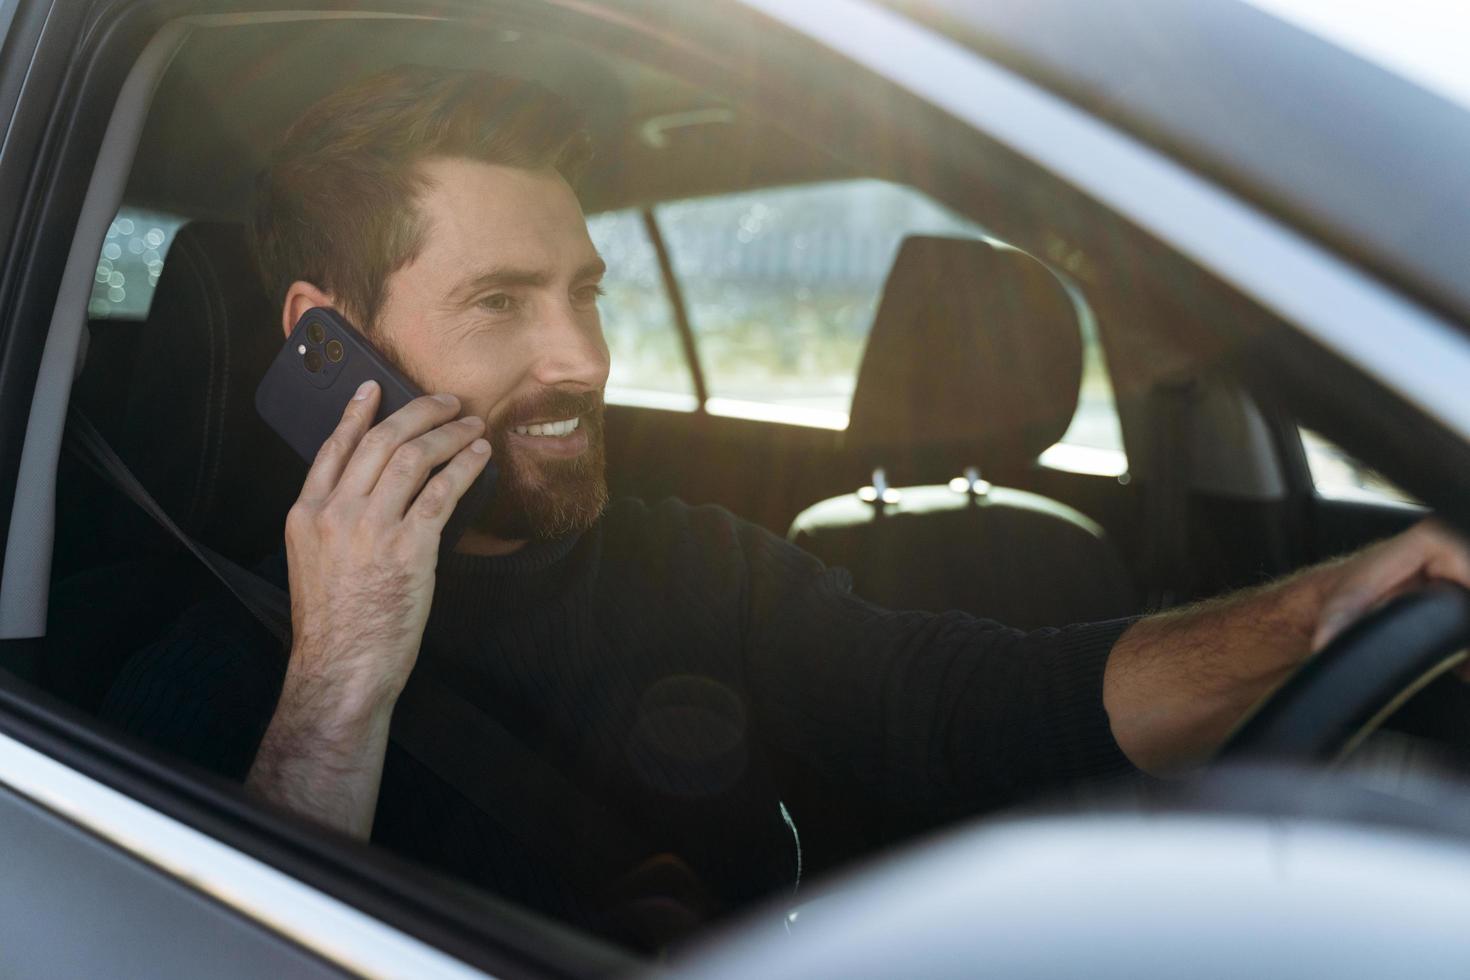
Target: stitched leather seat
[[972, 369]]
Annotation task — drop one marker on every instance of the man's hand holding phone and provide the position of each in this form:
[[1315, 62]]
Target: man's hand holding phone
[[362, 543]]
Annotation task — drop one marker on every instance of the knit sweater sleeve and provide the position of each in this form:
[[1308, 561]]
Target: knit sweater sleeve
[[204, 691], [935, 712]]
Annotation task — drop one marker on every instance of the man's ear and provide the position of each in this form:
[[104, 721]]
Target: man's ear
[[302, 296]]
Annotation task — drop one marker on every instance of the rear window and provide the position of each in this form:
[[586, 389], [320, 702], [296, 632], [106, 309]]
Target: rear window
[[780, 287], [649, 367], [1338, 476], [130, 263]]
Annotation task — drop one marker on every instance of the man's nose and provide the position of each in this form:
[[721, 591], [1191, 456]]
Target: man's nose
[[571, 349]]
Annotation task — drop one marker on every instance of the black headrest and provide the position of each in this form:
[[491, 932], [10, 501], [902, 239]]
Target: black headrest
[[190, 431], [975, 358]]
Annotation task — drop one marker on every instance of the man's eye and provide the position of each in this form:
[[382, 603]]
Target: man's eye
[[498, 303], [587, 295]]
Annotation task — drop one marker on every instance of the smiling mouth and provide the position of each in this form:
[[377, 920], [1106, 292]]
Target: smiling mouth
[[554, 430]]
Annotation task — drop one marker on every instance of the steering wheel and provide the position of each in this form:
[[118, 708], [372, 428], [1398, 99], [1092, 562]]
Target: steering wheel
[[1340, 695]]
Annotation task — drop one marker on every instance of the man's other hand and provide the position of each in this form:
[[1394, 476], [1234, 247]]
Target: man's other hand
[[1427, 552], [1178, 682]]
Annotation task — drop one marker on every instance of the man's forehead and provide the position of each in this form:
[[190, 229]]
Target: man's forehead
[[502, 216]]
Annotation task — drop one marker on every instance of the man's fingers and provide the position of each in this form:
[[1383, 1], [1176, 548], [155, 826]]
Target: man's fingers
[[1365, 580], [380, 442], [436, 500], [411, 463], [331, 459], [1450, 553], [1427, 551]]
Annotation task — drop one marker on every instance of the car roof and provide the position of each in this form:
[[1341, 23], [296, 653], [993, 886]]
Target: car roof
[[228, 94]]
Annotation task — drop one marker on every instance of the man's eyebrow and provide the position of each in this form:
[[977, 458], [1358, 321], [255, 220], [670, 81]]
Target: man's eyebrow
[[507, 277], [591, 270], [472, 288]]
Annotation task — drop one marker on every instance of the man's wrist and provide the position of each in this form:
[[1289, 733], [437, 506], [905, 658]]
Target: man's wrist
[[336, 704]]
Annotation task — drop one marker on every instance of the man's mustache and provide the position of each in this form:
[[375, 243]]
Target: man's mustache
[[550, 406]]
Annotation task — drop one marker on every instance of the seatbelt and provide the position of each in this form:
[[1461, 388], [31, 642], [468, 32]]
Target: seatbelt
[[452, 738], [266, 602]]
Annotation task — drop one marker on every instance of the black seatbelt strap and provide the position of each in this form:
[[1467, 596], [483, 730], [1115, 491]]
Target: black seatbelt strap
[[458, 742], [510, 783], [266, 602]]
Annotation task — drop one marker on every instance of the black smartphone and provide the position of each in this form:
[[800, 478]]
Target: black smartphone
[[307, 387]]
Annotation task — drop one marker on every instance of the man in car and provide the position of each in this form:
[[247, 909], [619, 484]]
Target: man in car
[[675, 664]]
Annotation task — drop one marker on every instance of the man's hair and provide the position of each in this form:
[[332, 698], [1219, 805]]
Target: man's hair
[[335, 206]]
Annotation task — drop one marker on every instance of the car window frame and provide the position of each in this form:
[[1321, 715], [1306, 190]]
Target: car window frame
[[8, 9], [35, 57]]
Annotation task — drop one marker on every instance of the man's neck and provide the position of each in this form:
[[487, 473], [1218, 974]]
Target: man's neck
[[486, 545]]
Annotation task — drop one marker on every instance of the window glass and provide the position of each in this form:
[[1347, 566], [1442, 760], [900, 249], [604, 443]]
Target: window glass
[[1337, 475], [782, 285], [131, 261], [648, 363]]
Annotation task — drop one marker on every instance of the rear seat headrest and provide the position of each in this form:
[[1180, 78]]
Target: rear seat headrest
[[190, 431], [975, 358]]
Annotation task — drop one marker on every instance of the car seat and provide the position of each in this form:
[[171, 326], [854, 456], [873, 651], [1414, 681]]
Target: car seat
[[174, 397], [972, 369]]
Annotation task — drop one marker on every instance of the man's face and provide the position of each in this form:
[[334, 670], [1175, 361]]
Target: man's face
[[500, 308]]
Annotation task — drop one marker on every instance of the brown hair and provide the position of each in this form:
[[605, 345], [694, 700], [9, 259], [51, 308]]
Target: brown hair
[[335, 204]]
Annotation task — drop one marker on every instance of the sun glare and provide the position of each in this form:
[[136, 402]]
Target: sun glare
[[1422, 40]]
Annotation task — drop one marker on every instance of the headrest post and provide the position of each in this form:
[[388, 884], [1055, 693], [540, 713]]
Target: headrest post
[[880, 492], [971, 485]]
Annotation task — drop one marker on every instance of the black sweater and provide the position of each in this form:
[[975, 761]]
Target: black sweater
[[664, 661]]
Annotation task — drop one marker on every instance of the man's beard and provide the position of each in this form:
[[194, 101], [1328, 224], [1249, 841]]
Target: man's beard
[[542, 497]]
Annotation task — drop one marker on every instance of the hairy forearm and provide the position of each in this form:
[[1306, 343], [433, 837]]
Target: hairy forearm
[[1177, 683], [322, 755]]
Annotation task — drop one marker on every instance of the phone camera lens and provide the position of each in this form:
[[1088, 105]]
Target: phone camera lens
[[334, 351], [313, 361], [315, 333]]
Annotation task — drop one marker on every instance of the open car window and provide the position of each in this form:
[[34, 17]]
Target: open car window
[[779, 286], [740, 307]]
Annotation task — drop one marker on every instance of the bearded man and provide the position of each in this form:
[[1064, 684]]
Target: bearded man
[[669, 661]]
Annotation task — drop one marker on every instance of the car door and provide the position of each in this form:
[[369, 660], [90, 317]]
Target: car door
[[77, 904]]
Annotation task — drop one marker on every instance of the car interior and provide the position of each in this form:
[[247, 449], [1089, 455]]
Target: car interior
[[940, 485]]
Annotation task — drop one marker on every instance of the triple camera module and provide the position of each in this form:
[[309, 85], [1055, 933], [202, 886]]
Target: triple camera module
[[321, 356]]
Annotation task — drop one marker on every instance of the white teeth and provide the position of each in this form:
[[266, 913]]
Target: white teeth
[[563, 428]]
